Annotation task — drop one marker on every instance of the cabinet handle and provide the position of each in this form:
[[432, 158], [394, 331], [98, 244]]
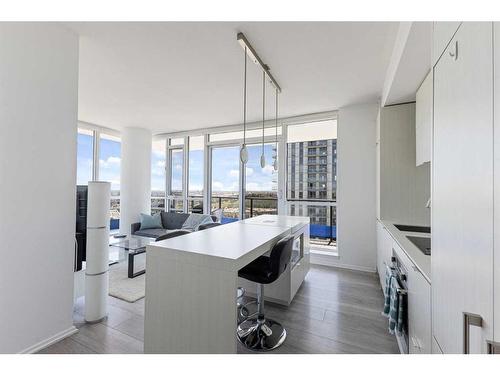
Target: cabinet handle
[[470, 320]]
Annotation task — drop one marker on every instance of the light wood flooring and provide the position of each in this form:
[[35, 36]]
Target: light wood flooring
[[335, 311]]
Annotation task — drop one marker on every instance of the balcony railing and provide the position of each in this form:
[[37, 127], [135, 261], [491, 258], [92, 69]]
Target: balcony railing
[[322, 213]]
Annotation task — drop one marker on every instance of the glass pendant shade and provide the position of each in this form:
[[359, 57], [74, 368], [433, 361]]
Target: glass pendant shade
[[262, 160], [244, 154]]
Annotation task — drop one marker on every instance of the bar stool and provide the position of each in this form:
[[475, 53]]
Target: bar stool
[[261, 334], [207, 226]]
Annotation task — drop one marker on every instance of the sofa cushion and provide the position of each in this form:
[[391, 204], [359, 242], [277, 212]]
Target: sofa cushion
[[150, 221], [195, 220], [153, 233], [173, 220]]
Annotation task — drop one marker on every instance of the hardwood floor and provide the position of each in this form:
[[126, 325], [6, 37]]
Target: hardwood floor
[[335, 311]]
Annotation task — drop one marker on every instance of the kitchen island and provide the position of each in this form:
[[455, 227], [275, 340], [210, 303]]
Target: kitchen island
[[191, 282]]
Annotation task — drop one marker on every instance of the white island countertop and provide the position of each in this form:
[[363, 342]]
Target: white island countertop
[[230, 246]]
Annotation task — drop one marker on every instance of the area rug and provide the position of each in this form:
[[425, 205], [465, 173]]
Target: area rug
[[120, 286]]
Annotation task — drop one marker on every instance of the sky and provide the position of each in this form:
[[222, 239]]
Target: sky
[[225, 168]]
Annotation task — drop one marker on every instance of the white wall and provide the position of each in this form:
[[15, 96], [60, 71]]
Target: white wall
[[135, 179], [38, 127], [356, 235]]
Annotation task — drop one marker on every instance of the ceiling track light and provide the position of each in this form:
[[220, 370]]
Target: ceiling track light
[[250, 51]]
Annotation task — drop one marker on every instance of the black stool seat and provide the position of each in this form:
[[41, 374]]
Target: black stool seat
[[259, 333], [259, 271]]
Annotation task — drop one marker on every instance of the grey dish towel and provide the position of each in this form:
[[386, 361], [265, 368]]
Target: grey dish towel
[[389, 274], [394, 303]]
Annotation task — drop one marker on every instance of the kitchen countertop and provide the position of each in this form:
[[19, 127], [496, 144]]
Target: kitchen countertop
[[419, 259]]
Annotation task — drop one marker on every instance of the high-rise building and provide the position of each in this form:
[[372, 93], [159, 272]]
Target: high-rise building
[[312, 176]]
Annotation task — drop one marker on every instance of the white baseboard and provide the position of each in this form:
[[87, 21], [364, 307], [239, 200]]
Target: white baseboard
[[334, 261], [51, 340]]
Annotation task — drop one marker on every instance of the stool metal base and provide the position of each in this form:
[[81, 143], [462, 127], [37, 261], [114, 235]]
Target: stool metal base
[[261, 334]]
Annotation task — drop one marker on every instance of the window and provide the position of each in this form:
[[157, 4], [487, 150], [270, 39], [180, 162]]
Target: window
[[195, 173], [317, 145], [176, 176], [158, 175], [109, 170], [261, 183], [85, 156], [225, 181]]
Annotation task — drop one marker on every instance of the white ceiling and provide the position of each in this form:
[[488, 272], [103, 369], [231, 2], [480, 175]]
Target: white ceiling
[[180, 76]]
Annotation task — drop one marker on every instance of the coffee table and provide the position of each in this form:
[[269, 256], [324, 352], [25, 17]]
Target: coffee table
[[134, 245]]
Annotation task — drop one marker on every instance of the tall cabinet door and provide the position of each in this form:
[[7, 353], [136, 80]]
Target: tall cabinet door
[[462, 203]]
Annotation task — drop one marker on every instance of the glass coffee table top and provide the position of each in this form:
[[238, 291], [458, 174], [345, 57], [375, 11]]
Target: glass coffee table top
[[131, 243]]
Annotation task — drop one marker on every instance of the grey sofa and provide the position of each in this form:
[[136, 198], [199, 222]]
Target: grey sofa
[[171, 221]]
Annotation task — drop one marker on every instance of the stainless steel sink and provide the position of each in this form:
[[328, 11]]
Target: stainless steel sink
[[413, 228], [423, 243]]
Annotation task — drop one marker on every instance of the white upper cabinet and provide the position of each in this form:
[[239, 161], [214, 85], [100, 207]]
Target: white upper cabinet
[[423, 121], [462, 195], [442, 34]]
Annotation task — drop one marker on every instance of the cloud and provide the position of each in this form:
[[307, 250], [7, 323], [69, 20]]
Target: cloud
[[234, 172], [268, 169], [161, 163], [249, 171], [217, 185], [110, 162]]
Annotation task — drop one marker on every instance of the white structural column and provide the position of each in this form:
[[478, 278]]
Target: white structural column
[[135, 183]]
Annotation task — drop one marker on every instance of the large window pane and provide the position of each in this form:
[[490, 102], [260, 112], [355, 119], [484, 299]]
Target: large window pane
[[109, 170], [261, 183], [312, 178], [225, 181], [85, 152], [177, 162], [195, 172], [158, 175]]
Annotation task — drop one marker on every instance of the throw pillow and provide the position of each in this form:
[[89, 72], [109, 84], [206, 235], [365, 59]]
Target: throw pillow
[[151, 222]]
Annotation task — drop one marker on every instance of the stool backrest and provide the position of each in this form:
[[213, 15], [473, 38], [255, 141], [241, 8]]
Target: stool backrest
[[172, 235], [209, 225], [281, 254]]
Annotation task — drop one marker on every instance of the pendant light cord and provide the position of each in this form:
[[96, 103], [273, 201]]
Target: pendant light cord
[[276, 137], [263, 106], [245, 100]]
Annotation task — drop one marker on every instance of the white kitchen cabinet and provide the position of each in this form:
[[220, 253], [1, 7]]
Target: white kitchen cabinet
[[384, 251], [496, 140], [423, 121], [419, 305], [462, 196], [419, 312], [442, 32]]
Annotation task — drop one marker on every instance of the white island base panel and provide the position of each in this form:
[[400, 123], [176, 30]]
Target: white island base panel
[[191, 284]]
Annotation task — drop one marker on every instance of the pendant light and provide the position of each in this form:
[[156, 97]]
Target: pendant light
[[263, 157], [275, 165], [243, 150]]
